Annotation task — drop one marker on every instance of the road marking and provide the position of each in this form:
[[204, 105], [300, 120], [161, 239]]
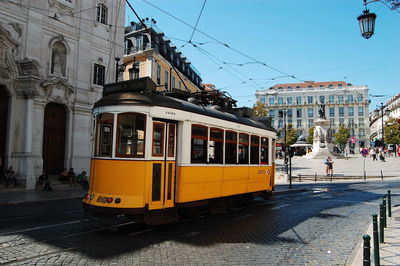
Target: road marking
[[38, 227], [281, 206]]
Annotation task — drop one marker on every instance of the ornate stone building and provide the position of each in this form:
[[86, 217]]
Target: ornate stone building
[[345, 105], [54, 58]]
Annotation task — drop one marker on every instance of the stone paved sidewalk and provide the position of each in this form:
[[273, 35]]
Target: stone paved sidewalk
[[354, 166], [10, 197], [389, 251]]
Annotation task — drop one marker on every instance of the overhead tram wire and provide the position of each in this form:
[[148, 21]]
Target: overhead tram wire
[[212, 60], [197, 22], [248, 78], [148, 31], [224, 44], [211, 71]]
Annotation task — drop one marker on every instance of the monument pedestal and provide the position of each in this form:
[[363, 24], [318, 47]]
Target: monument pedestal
[[322, 144]]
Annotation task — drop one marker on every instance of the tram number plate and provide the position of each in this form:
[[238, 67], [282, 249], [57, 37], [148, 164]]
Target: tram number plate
[[102, 199], [262, 172]]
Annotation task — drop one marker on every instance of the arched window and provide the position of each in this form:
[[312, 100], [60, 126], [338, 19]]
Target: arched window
[[58, 59], [101, 14]]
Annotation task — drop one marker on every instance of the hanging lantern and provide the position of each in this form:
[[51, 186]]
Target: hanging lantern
[[367, 23]]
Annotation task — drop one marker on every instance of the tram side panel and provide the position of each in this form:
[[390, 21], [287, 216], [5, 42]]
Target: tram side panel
[[206, 182]]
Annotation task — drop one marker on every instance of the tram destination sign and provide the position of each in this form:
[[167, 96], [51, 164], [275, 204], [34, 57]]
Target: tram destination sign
[[134, 85]]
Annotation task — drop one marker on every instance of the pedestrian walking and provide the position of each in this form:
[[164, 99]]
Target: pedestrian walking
[[346, 155], [328, 165], [373, 153]]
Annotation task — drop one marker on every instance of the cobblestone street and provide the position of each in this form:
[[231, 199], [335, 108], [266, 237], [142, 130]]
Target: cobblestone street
[[318, 227]]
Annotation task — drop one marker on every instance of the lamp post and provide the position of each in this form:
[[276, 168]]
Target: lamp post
[[283, 115], [119, 68], [378, 112]]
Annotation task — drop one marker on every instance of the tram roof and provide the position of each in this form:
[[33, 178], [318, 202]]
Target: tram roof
[[122, 94]]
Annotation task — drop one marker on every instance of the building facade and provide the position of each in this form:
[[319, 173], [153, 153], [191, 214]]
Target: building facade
[[54, 57], [375, 119], [148, 53], [345, 105]]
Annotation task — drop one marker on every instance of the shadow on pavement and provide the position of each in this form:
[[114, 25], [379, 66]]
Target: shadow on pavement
[[263, 224]]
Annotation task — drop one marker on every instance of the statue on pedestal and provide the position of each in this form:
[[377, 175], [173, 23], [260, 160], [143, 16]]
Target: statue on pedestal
[[321, 111]]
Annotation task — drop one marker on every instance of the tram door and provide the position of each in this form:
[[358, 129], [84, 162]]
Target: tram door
[[163, 170]]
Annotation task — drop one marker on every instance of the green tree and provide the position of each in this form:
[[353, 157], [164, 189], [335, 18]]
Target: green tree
[[260, 109], [342, 136], [310, 137], [291, 137], [392, 131]]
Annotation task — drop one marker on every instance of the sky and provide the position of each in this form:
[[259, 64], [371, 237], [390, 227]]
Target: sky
[[245, 46]]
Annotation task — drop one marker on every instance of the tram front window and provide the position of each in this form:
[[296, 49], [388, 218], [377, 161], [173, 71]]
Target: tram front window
[[104, 134], [130, 135]]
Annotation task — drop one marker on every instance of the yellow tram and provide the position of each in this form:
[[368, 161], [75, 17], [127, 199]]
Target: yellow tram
[[156, 153]]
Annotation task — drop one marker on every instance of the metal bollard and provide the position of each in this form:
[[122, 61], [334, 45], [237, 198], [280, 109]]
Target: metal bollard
[[331, 175], [384, 211], [367, 251], [389, 204], [381, 175], [365, 176], [376, 238], [315, 177], [381, 225], [300, 178]]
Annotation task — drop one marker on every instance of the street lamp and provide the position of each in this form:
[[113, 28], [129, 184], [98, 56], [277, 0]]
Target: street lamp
[[383, 113], [367, 23], [119, 68], [367, 20]]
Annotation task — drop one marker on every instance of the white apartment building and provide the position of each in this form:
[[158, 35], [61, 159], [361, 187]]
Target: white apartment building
[[345, 105], [375, 120], [55, 56]]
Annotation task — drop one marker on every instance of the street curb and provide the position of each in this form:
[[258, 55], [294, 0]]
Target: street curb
[[20, 202]]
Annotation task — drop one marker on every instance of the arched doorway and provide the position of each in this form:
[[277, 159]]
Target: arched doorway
[[54, 138], [3, 126]]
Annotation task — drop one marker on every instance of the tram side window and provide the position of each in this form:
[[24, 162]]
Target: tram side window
[[243, 148], [230, 147], [104, 134], [216, 145], [264, 150], [130, 135], [199, 144], [255, 150], [158, 139], [171, 140]]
